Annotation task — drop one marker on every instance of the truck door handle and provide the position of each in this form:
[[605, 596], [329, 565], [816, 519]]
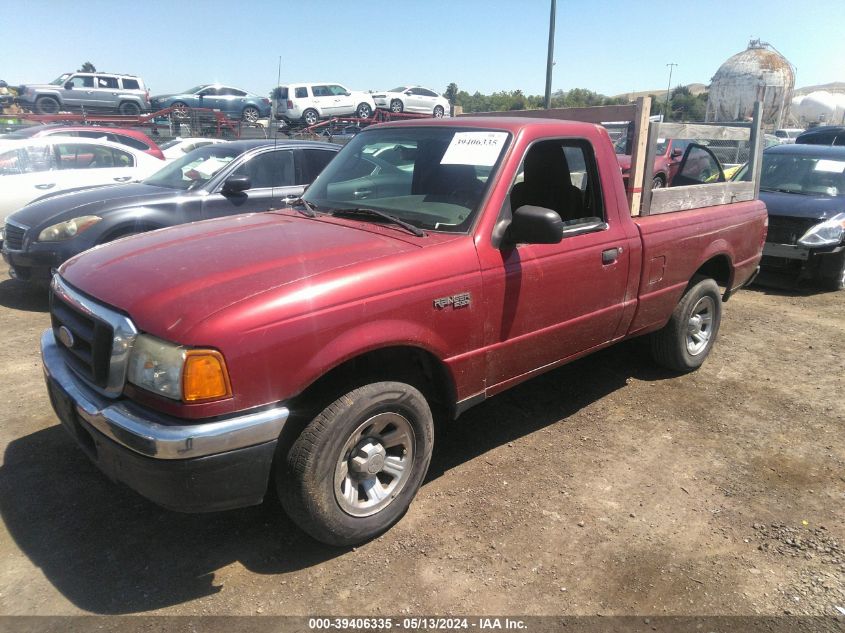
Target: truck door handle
[[122, 178], [610, 255], [48, 185], [361, 193]]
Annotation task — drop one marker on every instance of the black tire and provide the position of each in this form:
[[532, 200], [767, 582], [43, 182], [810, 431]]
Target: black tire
[[250, 114], [658, 182], [363, 111], [46, 105], [310, 117], [129, 108], [397, 106], [678, 346], [439, 112], [832, 274], [310, 479]]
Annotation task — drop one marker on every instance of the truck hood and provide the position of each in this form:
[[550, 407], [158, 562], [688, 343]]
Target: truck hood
[[90, 201], [172, 279], [796, 205]]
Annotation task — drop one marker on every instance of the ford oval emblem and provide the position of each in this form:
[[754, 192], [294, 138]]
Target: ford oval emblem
[[66, 336]]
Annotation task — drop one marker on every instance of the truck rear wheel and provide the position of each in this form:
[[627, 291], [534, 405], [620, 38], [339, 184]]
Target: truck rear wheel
[[356, 467], [685, 341]]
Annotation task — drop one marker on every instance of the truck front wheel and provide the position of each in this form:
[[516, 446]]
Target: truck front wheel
[[356, 467], [685, 341]]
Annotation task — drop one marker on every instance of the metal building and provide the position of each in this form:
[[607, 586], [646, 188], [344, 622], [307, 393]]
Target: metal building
[[759, 73]]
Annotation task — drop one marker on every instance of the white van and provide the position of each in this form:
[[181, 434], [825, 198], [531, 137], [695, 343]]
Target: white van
[[309, 102]]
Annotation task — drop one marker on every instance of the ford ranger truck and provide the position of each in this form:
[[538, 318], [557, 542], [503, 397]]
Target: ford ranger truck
[[310, 351]]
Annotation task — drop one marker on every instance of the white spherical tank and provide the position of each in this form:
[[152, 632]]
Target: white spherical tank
[[758, 73], [820, 106]]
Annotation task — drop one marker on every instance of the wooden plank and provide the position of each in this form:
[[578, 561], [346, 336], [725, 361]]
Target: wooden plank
[[696, 196], [738, 132], [755, 158], [648, 173], [594, 114], [638, 154]]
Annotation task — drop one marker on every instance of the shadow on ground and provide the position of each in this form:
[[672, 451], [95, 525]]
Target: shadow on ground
[[20, 295], [786, 285], [109, 551]]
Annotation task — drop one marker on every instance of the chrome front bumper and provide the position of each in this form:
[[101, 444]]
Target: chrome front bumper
[[154, 435]]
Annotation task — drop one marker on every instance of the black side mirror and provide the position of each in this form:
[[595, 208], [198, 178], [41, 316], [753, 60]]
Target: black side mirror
[[535, 225], [236, 184], [68, 85]]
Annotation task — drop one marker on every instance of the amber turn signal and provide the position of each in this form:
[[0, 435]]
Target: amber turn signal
[[205, 376]]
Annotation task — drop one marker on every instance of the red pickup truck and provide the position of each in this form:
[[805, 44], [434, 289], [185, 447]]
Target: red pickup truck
[[312, 349]]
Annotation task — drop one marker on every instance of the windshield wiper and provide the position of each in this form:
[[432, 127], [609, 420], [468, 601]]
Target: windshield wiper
[[307, 209], [781, 190], [381, 214]]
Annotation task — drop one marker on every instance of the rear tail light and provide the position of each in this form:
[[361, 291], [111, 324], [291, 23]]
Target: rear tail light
[[265, 101], [290, 104]]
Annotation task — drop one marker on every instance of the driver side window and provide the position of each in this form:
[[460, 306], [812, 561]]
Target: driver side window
[[560, 175], [270, 169]]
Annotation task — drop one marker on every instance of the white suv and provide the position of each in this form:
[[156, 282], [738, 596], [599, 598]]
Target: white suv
[[308, 103]]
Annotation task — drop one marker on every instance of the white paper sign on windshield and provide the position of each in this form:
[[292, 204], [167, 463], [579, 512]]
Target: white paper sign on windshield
[[474, 148], [834, 166]]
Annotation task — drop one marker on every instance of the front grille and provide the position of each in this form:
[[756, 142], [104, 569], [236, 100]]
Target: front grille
[[90, 352], [14, 237], [785, 230]]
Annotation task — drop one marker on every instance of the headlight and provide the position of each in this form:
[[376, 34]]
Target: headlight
[[178, 373], [69, 229], [827, 233]]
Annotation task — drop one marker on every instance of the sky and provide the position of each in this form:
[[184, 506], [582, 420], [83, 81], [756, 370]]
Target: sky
[[607, 46]]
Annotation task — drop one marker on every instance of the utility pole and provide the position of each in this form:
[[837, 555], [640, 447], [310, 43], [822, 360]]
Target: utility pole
[[550, 61], [671, 66]]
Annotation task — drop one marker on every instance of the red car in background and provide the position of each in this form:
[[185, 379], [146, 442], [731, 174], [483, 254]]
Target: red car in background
[[667, 159], [125, 136]]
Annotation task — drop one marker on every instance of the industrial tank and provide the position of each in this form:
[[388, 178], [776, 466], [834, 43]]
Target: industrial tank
[[820, 106], [759, 73]]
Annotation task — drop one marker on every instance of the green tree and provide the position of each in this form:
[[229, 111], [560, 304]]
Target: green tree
[[87, 67], [451, 93]]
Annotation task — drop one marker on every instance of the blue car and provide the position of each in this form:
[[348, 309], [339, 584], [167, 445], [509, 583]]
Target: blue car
[[233, 102]]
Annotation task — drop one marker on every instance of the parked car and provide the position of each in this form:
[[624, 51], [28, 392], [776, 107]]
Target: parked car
[[309, 102], [126, 94], [412, 99], [131, 137], [178, 147], [309, 351], [31, 168], [823, 135], [803, 187], [233, 102], [667, 159], [789, 134], [209, 182]]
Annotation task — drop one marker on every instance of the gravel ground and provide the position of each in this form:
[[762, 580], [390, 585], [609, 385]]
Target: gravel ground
[[605, 487]]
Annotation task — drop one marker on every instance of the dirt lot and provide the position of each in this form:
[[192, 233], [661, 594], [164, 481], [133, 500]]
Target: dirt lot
[[605, 487]]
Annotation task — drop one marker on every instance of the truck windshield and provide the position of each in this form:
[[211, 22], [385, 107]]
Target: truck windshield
[[195, 168], [60, 80], [431, 177]]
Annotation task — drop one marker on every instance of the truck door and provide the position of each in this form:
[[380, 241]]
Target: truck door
[[548, 302]]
